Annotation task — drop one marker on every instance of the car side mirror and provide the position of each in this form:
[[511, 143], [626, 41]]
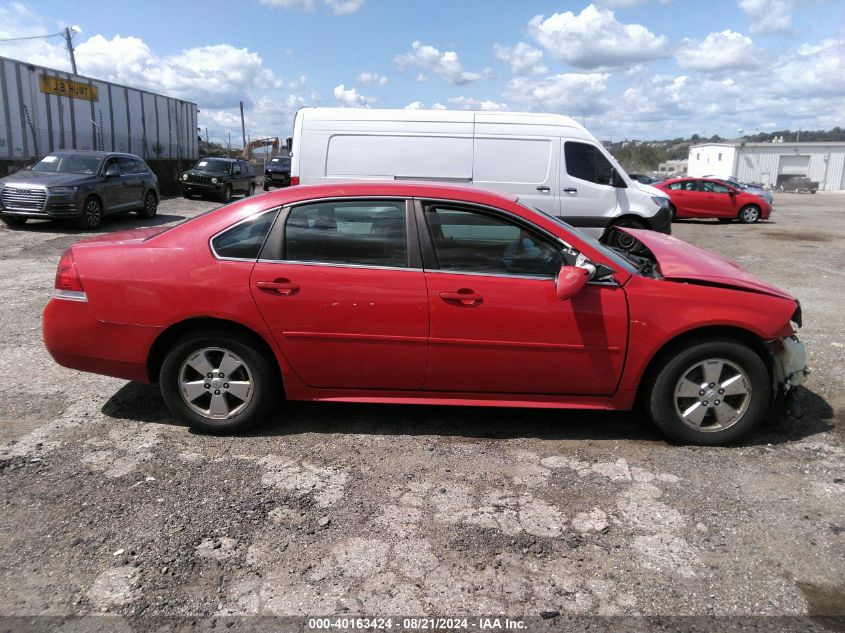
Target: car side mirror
[[113, 171], [570, 280], [732, 192]]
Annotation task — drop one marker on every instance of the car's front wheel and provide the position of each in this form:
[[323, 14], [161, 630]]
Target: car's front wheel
[[218, 382], [749, 214], [710, 393], [92, 214]]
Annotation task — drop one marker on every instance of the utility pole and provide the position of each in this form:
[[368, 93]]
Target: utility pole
[[229, 147], [243, 127], [67, 37]]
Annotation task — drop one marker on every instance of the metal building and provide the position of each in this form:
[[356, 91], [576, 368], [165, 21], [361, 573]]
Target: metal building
[[771, 163], [43, 110]]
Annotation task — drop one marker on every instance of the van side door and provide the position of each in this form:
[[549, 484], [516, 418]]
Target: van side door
[[588, 198], [517, 159]]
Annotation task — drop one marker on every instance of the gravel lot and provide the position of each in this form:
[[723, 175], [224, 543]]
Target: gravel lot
[[109, 505]]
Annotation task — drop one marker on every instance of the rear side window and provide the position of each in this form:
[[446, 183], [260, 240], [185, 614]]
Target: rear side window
[[586, 162], [365, 233], [244, 240], [713, 187], [128, 165]]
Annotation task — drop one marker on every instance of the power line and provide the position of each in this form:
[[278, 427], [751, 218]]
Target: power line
[[30, 37]]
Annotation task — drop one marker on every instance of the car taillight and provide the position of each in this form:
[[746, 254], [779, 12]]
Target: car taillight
[[294, 180], [68, 283]]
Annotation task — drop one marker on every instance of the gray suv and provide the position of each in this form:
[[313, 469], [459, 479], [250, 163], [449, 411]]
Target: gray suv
[[81, 185]]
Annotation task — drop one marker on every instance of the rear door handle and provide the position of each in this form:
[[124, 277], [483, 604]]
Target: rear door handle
[[570, 190], [543, 188], [464, 296], [280, 286]]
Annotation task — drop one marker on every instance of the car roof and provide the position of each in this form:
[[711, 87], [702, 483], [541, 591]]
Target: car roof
[[414, 189], [92, 153]]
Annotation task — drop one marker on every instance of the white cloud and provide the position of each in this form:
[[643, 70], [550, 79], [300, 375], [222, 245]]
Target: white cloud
[[569, 93], [727, 50], [468, 103], [445, 65], [337, 7], [814, 70], [620, 4], [421, 77], [371, 79], [523, 58], [415, 105], [769, 16], [351, 98], [595, 39]]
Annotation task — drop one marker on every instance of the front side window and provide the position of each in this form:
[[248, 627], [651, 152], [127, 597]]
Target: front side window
[[363, 233], [127, 165], [586, 162], [470, 241], [713, 187], [244, 240]]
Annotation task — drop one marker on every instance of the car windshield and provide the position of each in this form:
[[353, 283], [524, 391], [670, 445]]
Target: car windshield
[[613, 256], [214, 164], [68, 164]]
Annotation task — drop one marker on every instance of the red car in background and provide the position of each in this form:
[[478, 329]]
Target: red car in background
[[709, 198], [419, 293]]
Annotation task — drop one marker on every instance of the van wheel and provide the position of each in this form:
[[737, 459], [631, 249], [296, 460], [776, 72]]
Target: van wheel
[[711, 393], [218, 382], [626, 242], [673, 211]]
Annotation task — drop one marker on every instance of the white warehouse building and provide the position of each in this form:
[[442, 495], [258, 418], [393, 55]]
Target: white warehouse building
[[771, 163]]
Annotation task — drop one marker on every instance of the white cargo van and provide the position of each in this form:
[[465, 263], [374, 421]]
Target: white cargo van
[[547, 160]]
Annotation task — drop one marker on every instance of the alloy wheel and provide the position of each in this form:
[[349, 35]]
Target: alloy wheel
[[712, 395], [216, 383]]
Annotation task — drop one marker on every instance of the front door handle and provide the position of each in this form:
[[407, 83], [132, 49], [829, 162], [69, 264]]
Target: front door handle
[[570, 190], [280, 286], [543, 188], [464, 296]]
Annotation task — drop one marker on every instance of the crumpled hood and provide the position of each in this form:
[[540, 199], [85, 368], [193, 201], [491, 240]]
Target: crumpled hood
[[679, 261]]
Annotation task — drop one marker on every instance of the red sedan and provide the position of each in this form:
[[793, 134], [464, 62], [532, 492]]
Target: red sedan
[[414, 293], [710, 198]]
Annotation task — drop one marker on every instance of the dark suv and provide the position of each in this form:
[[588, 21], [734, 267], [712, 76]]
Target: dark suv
[[79, 185], [218, 178], [277, 172]]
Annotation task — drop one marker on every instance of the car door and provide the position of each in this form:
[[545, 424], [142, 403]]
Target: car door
[[497, 325], [683, 195], [717, 199], [586, 197], [133, 182], [341, 287], [115, 198]]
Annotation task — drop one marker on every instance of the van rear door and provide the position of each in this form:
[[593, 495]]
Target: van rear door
[[517, 158]]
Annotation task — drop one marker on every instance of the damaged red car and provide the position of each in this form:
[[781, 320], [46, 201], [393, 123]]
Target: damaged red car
[[423, 294]]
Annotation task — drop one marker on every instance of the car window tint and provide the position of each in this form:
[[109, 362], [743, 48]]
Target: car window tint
[[586, 162], [689, 185], [675, 186], [470, 241], [141, 167], [714, 187], [369, 233], [127, 165], [244, 240]]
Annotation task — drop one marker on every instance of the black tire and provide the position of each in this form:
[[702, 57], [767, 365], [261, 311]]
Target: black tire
[[673, 211], [749, 214], [622, 240], [92, 214], [150, 206], [13, 221], [265, 186], [660, 395], [260, 372], [251, 190], [725, 220], [226, 196]]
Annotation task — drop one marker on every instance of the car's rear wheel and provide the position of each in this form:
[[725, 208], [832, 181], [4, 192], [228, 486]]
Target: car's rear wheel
[[150, 206], [226, 196], [12, 221], [92, 214], [251, 190], [218, 382], [710, 393], [266, 186], [673, 211], [749, 214]]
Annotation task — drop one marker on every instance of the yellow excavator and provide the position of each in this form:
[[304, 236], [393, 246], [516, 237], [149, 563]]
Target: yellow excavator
[[272, 141]]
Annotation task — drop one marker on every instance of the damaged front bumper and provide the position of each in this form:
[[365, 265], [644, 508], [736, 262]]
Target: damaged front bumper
[[790, 363]]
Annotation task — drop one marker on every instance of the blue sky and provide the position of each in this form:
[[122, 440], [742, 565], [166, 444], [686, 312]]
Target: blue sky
[[627, 68]]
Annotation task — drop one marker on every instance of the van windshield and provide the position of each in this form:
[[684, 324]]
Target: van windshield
[[613, 256]]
